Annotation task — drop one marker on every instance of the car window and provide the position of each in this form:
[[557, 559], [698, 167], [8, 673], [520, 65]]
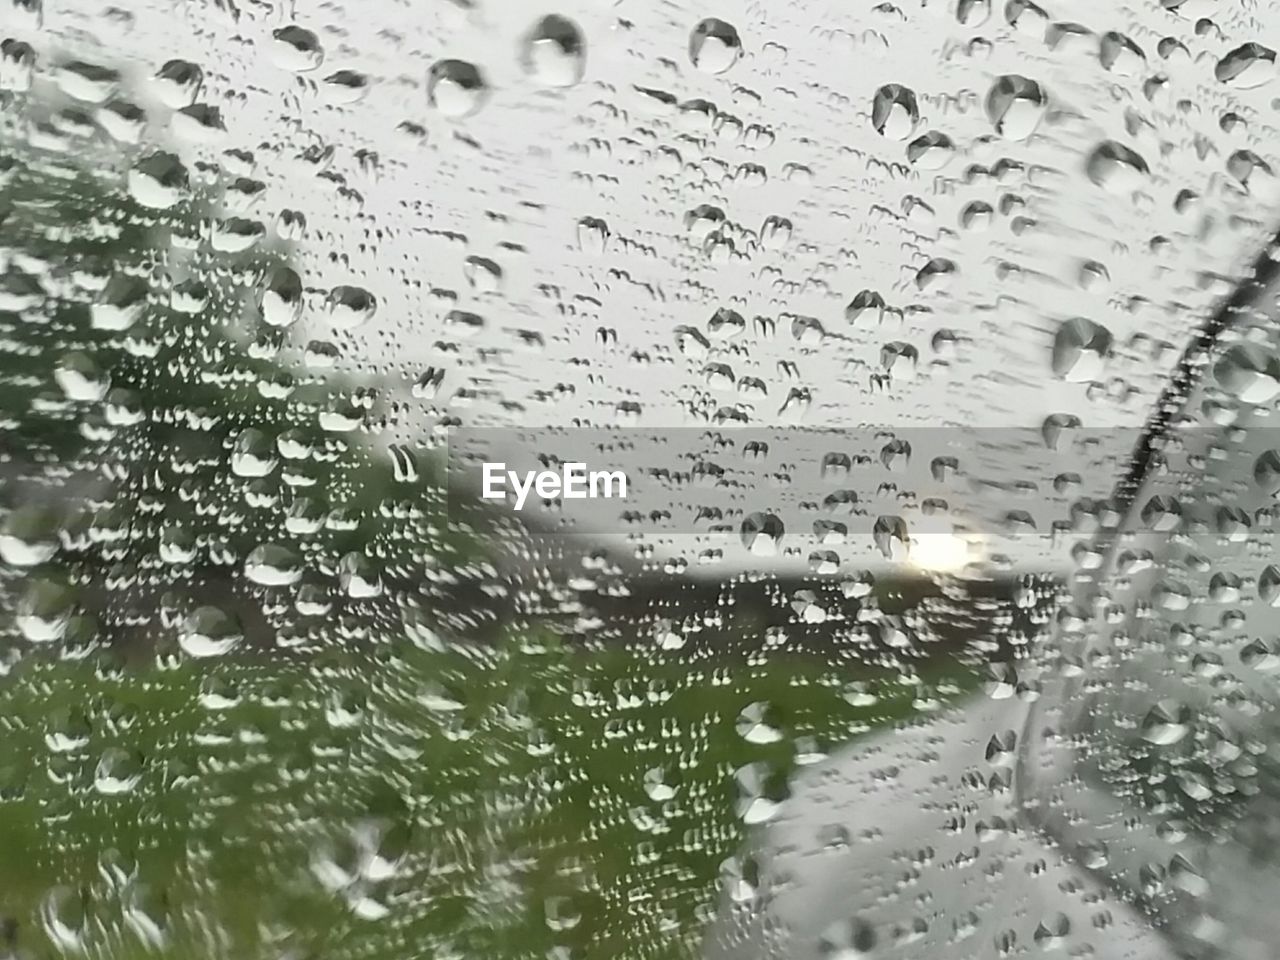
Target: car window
[[646, 480]]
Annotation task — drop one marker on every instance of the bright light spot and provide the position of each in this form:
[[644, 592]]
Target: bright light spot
[[939, 552]]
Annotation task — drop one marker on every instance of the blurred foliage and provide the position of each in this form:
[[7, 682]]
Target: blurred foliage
[[159, 431], [508, 801], [386, 765]]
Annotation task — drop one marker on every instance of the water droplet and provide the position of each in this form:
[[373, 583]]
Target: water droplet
[[120, 303], [1249, 373], [158, 181], [359, 577], [235, 235], [1166, 723], [44, 610], [714, 46], [80, 377], [762, 534], [350, 306], [931, 151], [866, 305], [209, 632], [1247, 66], [253, 454], [973, 13], [775, 233], [755, 724], [281, 302], [345, 87], [1116, 168], [1051, 932], [555, 53], [118, 771], [1255, 175], [891, 538], [272, 565], [852, 939], [977, 216], [1026, 17], [178, 83], [593, 235], [1121, 55], [1266, 472], [1015, 106], [1080, 350], [1093, 276], [296, 49], [86, 81], [17, 65], [894, 112], [456, 88], [1191, 9]]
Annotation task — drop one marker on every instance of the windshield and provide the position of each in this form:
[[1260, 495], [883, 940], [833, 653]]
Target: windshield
[[635, 480]]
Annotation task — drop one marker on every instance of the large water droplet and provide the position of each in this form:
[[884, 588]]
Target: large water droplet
[[1255, 175], [209, 632], [17, 65], [1026, 17], [762, 534], [973, 13], [296, 49], [281, 302], [80, 378], [1080, 350], [44, 610], [177, 83], [714, 46], [1121, 55], [350, 306], [894, 112], [1015, 105], [1247, 66], [555, 53], [1166, 723], [456, 88], [87, 81], [852, 939], [158, 181], [1116, 168], [932, 151], [120, 303], [1249, 373], [272, 565], [253, 454]]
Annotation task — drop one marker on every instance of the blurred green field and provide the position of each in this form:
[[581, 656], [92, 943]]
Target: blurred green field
[[359, 795], [506, 802]]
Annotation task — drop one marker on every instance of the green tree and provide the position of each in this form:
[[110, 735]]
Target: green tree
[[319, 743], [168, 454]]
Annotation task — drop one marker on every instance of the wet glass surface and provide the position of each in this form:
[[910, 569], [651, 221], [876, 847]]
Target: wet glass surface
[[915, 600]]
